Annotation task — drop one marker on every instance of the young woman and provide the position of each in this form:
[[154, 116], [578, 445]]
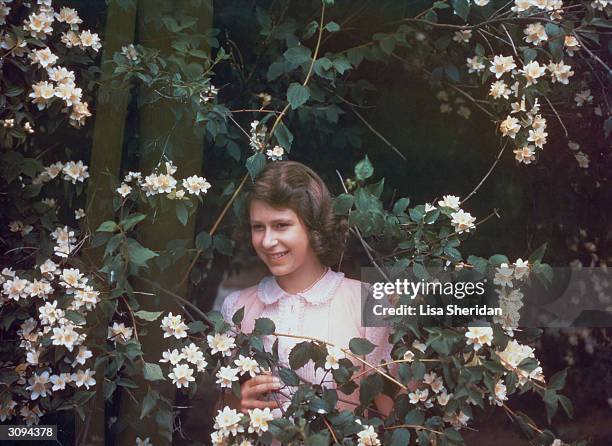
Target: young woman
[[294, 232]]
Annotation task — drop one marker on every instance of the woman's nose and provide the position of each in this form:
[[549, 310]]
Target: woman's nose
[[269, 240]]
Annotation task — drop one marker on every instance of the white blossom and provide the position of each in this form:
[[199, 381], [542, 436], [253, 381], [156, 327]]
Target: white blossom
[[247, 365], [462, 221], [84, 378], [450, 201], [39, 385], [226, 376], [181, 375], [227, 422], [221, 342], [479, 336], [334, 355], [368, 437], [258, 420]]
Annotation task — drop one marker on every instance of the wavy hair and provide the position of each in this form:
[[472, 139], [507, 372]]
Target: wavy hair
[[293, 185]]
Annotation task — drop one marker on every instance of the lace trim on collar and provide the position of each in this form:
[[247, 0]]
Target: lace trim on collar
[[270, 292]]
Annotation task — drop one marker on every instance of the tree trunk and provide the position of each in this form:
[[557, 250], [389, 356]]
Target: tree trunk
[[158, 123], [104, 168]]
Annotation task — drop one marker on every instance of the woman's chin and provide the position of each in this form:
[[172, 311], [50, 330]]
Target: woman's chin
[[279, 270]]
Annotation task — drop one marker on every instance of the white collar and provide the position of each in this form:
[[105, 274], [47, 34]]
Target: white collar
[[270, 292]]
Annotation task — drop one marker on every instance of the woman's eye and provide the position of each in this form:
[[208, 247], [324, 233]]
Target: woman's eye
[[255, 228], [282, 225]]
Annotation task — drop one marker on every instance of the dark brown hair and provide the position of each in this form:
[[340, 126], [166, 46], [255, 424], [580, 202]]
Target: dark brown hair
[[289, 184]]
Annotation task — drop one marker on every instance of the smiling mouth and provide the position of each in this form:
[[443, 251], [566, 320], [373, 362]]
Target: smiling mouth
[[279, 255]]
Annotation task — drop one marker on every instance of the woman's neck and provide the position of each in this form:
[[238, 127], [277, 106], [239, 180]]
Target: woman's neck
[[302, 279]]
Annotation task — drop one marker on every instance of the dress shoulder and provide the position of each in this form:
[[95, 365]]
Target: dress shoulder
[[236, 300]]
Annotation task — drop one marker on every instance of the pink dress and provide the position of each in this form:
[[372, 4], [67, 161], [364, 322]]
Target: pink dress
[[329, 310]]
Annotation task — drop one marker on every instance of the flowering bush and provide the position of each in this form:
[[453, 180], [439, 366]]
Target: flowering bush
[[523, 65]]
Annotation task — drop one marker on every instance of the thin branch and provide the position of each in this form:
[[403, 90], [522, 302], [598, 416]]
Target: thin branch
[[511, 41], [474, 101], [181, 299], [259, 110], [373, 130], [331, 430], [593, 55], [414, 426], [558, 117], [487, 174]]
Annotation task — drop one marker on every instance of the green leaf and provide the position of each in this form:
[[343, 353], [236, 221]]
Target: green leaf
[[529, 54], [452, 72], [182, 213], [131, 221], [288, 376], [148, 403], [283, 136], [223, 244], [415, 416], [415, 215], [297, 95], [567, 405], [551, 401], [264, 326], [557, 381], [148, 315], [238, 316], [318, 439], [75, 317], [361, 346], [196, 327], [461, 7], [364, 169], [370, 387], [538, 254], [418, 370], [387, 44], [399, 208], [343, 204], [255, 164], [400, 437], [498, 259], [479, 263], [453, 436], [300, 355], [332, 27], [419, 271], [107, 226], [203, 241], [138, 254], [297, 55], [152, 372]]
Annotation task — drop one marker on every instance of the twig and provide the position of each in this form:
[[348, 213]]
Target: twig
[[474, 101], [414, 426], [259, 110], [593, 55], [331, 430], [511, 41], [487, 174], [558, 117], [373, 130], [180, 299]]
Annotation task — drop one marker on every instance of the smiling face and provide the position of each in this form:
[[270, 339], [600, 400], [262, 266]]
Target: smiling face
[[281, 240]]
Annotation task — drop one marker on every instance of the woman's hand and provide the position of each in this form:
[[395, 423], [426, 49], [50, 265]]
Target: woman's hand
[[251, 392]]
